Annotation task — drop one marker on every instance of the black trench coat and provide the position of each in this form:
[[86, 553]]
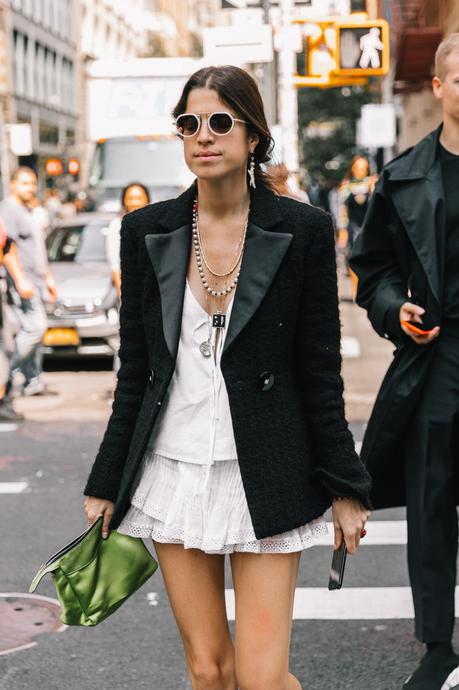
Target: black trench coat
[[399, 257], [281, 359]]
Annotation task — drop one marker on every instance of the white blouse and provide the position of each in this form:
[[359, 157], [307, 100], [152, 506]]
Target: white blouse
[[195, 423]]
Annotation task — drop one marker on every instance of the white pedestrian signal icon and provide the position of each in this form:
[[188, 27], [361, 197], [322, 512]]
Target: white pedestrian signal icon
[[370, 45], [362, 49]]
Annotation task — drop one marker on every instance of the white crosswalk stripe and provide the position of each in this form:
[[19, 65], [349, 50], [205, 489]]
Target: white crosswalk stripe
[[352, 603], [13, 487], [7, 428]]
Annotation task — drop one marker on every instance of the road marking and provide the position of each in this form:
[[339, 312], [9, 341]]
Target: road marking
[[13, 487], [7, 427], [353, 603], [379, 533], [350, 347]]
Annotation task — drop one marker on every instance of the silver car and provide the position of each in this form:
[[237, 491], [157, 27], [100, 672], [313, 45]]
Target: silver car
[[84, 320]]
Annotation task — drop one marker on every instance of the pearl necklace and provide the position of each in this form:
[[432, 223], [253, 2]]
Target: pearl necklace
[[200, 258]]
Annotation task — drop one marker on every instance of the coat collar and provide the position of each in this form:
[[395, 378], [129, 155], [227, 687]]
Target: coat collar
[[264, 208], [416, 163], [169, 254], [418, 196]]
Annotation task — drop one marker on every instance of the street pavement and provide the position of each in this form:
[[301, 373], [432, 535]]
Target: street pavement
[[360, 638]]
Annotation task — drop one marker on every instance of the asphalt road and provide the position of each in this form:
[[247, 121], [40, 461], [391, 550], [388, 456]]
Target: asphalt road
[[360, 638]]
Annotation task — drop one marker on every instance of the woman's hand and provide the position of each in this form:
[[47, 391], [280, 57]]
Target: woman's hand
[[95, 507], [349, 518]]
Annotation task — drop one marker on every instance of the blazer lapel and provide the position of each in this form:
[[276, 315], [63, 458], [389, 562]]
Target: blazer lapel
[[262, 257], [263, 254], [169, 253]]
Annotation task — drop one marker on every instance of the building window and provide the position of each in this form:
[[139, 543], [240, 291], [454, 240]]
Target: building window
[[48, 133]]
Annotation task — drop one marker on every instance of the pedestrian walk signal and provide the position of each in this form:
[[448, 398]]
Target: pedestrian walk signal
[[362, 49]]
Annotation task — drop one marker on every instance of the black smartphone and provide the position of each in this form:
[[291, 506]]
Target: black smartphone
[[337, 567]]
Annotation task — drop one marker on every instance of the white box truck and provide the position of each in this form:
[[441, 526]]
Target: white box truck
[[130, 131]]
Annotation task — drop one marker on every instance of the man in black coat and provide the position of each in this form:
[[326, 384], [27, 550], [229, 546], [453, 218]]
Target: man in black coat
[[407, 261]]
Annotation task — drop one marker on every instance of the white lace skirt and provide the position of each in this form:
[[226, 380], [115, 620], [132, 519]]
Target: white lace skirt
[[203, 508]]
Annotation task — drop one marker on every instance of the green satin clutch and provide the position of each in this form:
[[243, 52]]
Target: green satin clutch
[[94, 576]]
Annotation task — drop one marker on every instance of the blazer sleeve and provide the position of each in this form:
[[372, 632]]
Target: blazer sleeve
[[105, 475], [337, 466], [381, 288]]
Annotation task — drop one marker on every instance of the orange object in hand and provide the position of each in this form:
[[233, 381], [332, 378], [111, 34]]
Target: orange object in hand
[[415, 329]]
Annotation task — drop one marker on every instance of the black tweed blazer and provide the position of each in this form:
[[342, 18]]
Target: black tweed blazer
[[281, 359]]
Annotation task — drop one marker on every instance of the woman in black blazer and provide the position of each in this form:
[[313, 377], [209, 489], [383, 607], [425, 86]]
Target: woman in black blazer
[[277, 360]]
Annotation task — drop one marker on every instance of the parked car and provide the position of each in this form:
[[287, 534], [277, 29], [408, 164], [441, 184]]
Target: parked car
[[84, 320]]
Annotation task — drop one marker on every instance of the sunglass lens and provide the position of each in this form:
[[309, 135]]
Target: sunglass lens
[[220, 123], [187, 125]]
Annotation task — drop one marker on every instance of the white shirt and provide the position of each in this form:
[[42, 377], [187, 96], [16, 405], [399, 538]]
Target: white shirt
[[195, 423]]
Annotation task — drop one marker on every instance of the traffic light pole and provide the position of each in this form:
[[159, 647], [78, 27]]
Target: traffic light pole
[[288, 97]]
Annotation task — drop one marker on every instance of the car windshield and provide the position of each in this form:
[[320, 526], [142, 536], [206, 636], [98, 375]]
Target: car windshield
[[78, 243]]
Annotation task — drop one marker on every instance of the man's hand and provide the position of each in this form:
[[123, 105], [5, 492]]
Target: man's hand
[[24, 287], [413, 312]]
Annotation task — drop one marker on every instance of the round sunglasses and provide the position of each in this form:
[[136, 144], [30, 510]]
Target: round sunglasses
[[189, 124]]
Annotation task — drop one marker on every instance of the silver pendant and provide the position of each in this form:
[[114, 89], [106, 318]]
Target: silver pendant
[[205, 348]]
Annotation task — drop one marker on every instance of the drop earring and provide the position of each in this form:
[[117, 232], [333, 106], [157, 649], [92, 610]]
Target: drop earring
[[252, 170]]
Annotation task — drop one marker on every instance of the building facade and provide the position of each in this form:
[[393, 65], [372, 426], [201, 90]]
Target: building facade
[[42, 75], [176, 28], [418, 27], [113, 29]]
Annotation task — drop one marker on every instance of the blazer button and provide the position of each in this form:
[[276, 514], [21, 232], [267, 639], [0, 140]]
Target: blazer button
[[266, 381], [151, 378]]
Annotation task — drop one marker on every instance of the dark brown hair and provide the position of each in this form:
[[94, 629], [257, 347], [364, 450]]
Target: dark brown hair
[[239, 91], [348, 175]]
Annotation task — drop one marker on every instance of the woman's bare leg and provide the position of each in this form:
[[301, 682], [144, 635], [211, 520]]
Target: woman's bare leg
[[195, 584], [264, 587]]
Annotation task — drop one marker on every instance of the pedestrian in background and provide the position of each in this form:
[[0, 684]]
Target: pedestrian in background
[[354, 195], [53, 205], [407, 261], [29, 239], [40, 214], [134, 196], [228, 433], [9, 258], [284, 183]]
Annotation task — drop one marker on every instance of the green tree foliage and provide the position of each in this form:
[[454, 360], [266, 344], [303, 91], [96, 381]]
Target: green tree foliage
[[327, 129]]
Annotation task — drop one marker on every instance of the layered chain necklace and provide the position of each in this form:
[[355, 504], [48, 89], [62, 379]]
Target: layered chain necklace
[[218, 318]]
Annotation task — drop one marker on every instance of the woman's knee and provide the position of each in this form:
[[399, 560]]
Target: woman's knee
[[212, 674]]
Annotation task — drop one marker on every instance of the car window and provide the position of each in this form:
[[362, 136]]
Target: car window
[[79, 243]]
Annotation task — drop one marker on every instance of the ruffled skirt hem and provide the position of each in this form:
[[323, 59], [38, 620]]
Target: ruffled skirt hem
[[203, 508]]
